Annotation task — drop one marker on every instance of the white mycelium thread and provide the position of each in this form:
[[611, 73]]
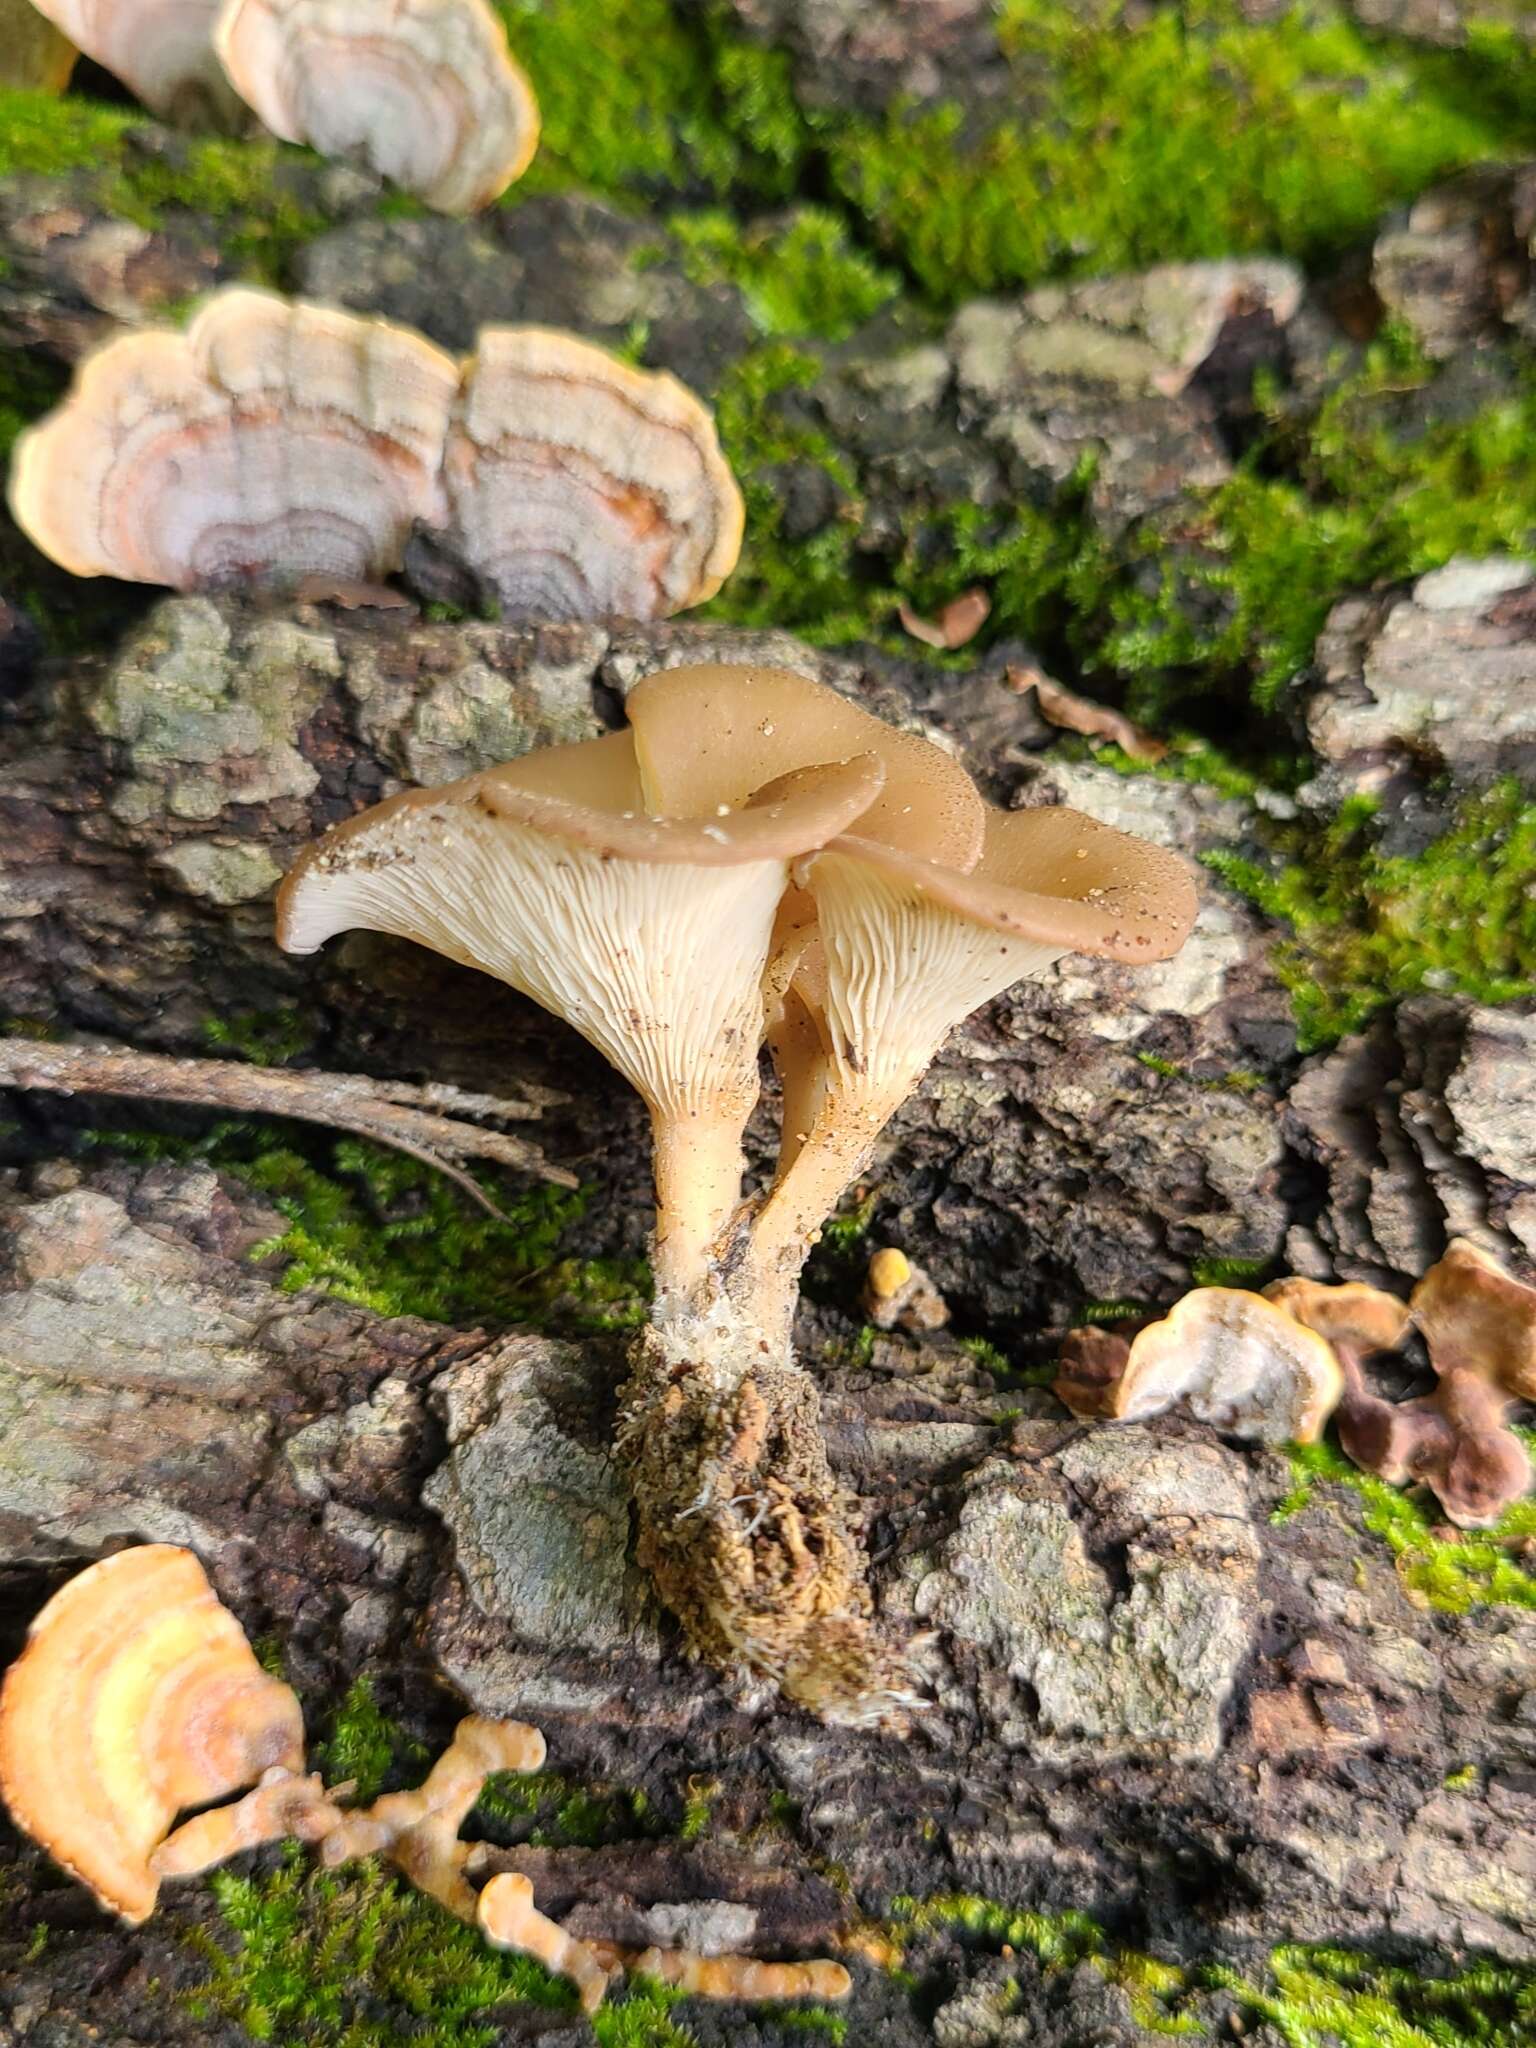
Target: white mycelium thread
[[423, 91], [270, 442]]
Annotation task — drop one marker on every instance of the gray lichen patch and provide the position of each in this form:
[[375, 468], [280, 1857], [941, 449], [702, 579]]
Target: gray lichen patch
[[1099, 1602]]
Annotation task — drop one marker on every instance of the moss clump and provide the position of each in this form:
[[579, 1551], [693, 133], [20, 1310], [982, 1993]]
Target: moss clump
[[799, 277], [364, 1745], [1188, 133], [634, 102], [1315, 1997], [1370, 928], [1456, 1574]]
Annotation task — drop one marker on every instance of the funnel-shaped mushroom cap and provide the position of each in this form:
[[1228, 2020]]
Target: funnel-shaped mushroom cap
[[162, 50], [137, 1696], [268, 442], [912, 948], [581, 488], [1475, 1314], [424, 91], [714, 733], [1234, 1360], [647, 934]]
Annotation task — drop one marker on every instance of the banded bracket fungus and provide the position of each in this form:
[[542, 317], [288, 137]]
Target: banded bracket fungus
[[162, 50], [278, 444], [754, 859]]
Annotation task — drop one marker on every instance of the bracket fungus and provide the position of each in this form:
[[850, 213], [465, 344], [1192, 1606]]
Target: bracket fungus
[[270, 441], [162, 50], [579, 487], [755, 858], [423, 91], [1226, 1357], [137, 1696]]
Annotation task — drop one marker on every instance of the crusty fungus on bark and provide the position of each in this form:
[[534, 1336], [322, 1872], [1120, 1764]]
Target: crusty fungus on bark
[[423, 91], [162, 50], [754, 858], [579, 487], [137, 1697], [270, 441]]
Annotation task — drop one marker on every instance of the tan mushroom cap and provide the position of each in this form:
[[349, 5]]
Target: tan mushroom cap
[[648, 935], [715, 732], [423, 91], [1234, 1360], [137, 1696], [161, 49], [270, 441], [1366, 1317], [580, 488], [1473, 1313]]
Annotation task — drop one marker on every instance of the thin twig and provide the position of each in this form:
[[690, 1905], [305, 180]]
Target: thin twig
[[386, 1111]]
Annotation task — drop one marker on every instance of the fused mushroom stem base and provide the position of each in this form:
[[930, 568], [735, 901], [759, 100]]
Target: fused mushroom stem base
[[743, 1524]]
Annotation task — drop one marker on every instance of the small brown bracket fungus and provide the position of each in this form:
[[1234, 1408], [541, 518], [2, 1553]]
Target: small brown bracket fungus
[[1366, 1318], [269, 442], [1234, 1360], [423, 91], [1089, 1371], [1475, 1314], [136, 1697], [580, 488], [1454, 1441], [508, 1918], [34, 56], [162, 50]]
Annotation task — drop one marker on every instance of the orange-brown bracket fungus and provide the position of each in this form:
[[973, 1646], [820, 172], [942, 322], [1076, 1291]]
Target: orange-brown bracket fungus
[[271, 441], [137, 1696], [579, 487], [423, 91], [755, 858], [162, 50], [1479, 1324]]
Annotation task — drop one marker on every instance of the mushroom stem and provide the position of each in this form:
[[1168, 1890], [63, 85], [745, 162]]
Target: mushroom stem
[[698, 1167]]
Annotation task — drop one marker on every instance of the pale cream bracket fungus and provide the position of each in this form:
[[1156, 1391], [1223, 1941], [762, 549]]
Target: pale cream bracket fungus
[[137, 1697], [1236, 1361], [640, 886], [162, 50], [283, 1807], [730, 1978], [423, 91], [270, 441], [581, 488]]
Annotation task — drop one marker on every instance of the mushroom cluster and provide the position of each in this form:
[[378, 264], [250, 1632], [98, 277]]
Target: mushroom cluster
[[754, 859], [138, 1697], [1273, 1368], [425, 92], [274, 441]]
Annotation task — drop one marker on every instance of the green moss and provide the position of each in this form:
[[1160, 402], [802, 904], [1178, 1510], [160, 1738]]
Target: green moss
[[698, 1806], [1453, 1574], [1316, 1997], [376, 1228], [267, 1038], [633, 103], [364, 1745], [809, 2019], [799, 277], [1246, 1273], [1186, 132], [1371, 928], [42, 132]]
